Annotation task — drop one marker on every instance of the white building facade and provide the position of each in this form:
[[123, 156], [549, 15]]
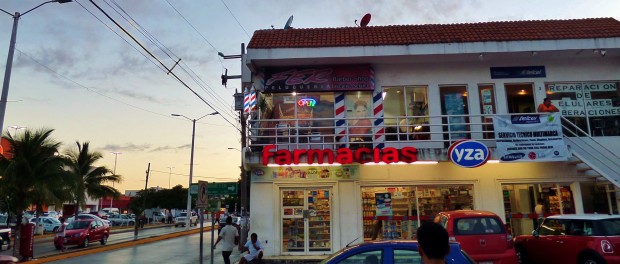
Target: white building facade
[[388, 89]]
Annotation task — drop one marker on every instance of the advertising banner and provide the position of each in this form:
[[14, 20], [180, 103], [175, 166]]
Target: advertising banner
[[530, 137], [305, 173], [384, 204], [318, 79], [26, 249]]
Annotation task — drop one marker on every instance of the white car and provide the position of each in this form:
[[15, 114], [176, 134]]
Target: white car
[[180, 219], [50, 224]]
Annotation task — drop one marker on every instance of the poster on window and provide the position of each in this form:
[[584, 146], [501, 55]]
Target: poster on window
[[359, 116], [455, 108], [530, 137], [383, 204]]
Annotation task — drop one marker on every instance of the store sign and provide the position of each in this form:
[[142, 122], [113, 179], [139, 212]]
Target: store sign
[[518, 72], [342, 156], [532, 137], [585, 99], [342, 78], [309, 102], [469, 153], [313, 172]]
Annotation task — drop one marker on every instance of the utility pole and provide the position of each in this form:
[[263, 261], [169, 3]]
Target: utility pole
[[146, 184], [244, 181]]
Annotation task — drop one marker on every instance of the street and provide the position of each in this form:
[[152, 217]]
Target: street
[[183, 249], [45, 246]]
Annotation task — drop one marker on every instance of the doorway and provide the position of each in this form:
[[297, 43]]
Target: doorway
[[520, 98], [306, 221]]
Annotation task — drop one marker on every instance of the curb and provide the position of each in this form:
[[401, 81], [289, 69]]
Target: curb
[[120, 245]]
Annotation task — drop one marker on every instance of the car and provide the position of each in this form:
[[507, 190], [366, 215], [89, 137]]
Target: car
[[89, 216], [50, 224], [482, 234], [82, 232], [392, 251], [180, 219], [236, 221], [51, 214], [121, 220], [5, 235], [572, 238]]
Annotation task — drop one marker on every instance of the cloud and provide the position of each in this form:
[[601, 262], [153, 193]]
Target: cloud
[[164, 148], [127, 147]]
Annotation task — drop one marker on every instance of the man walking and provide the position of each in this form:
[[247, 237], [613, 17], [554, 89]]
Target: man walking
[[229, 234]]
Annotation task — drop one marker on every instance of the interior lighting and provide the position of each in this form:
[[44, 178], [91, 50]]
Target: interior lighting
[[492, 161]]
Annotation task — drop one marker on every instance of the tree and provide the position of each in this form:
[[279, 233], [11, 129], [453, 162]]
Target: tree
[[88, 179], [32, 173]]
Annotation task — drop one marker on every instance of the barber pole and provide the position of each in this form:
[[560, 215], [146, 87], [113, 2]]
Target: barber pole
[[378, 128], [246, 101], [340, 120], [252, 99]]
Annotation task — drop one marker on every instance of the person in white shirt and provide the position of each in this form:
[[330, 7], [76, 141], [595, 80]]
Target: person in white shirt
[[254, 248], [228, 234]]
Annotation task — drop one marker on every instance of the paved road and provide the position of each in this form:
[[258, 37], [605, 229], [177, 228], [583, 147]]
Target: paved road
[[184, 249], [45, 246]]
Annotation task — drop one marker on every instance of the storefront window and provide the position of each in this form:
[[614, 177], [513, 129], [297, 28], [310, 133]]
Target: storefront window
[[454, 106], [594, 107], [306, 220], [406, 113], [520, 98], [359, 115], [395, 212]]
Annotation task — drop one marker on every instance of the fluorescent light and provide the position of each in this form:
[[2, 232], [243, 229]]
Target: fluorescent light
[[428, 162], [304, 165], [492, 161]]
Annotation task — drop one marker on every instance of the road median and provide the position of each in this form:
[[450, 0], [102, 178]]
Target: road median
[[87, 251]]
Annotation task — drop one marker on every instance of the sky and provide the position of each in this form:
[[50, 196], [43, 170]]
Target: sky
[[76, 72]]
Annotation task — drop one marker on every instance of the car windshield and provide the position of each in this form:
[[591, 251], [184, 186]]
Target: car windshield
[[78, 225], [3, 218], [182, 214], [478, 226]]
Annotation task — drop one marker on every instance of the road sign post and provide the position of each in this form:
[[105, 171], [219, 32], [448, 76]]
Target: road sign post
[[201, 203]]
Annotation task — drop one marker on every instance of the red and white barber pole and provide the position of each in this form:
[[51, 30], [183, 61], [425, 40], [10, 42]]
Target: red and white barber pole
[[246, 101]]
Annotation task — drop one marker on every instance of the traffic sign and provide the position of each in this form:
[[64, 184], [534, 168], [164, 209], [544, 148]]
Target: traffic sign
[[223, 188], [203, 198], [193, 189]]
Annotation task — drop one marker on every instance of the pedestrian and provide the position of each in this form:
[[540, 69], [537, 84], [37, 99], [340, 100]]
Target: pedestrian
[[142, 220], [539, 209], [169, 217], [433, 243], [60, 235], [546, 106], [254, 248], [229, 235]]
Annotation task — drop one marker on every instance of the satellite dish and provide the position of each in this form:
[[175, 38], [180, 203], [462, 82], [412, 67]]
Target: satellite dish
[[365, 20], [288, 23]]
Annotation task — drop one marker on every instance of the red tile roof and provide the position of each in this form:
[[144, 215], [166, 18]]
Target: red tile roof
[[431, 34]]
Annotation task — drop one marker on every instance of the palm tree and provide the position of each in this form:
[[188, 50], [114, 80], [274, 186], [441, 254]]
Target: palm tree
[[32, 173], [89, 179]]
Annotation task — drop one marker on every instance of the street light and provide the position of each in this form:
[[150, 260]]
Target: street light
[[114, 172], [191, 166], [234, 149], [169, 175], [9, 59], [17, 127]]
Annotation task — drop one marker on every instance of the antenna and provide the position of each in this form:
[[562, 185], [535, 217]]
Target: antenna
[[365, 20], [288, 23]]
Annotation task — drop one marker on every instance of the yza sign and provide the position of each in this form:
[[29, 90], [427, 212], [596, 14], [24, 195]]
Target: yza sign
[[469, 153]]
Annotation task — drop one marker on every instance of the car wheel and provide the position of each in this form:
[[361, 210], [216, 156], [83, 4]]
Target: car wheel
[[104, 240], [522, 255], [85, 243], [591, 259]]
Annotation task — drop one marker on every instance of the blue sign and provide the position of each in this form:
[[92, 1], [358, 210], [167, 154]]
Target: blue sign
[[468, 153], [525, 119], [518, 72]]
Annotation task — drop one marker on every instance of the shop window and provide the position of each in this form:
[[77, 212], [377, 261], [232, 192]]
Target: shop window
[[487, 108], [406, 113], [455, 108], [593, 107], [520, 98], [358, 106]]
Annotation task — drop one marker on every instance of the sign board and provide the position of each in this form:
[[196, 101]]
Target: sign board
[[203, 197], [317, 79], [193, 189], [530, 137], [223, 188], [518, 72], [214, 205], [468, 153]]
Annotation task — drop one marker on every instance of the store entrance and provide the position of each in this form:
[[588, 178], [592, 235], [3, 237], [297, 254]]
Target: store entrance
[[306, 221]]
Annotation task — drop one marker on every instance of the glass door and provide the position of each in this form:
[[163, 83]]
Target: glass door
[[306, 221]]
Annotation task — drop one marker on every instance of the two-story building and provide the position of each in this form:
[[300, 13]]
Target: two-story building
[[353, 126]]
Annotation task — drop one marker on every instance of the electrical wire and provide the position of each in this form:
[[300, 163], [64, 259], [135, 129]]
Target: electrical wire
[[233, 15], [193, 176], [159, 61]]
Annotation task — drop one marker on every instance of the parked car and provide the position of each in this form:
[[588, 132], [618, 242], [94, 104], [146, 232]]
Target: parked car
[[572, 238], [50, 224], [121, 220], [236, 221], [53, 214], [392, 251], [482, 235], [82, 232], [89, 216], [5, 235], [180, 219]]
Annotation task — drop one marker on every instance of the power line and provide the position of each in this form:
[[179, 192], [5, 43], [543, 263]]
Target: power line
[[233, 15], [223, 109], [154, 57], [186, 175]]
